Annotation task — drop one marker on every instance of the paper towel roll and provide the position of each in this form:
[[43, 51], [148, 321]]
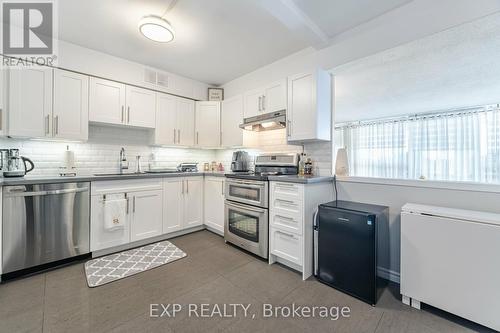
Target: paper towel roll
[[69, 159]]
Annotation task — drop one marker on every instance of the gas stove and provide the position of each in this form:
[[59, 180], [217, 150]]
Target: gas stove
[[270, 165], [246, 217]]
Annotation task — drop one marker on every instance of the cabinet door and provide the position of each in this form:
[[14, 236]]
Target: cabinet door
[[207, 124], [71, 107], [193, 202], [30, 102], [166, 119], [107, 101], [309, 108], [275, 97], [186, 121], [214, 203], [100, 238], [253, 103], [141, 107], [3, 95], [301, 106], [231, 119], [173, 204], [147, 215]]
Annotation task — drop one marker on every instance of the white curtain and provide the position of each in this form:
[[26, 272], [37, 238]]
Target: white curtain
[[454, 146]]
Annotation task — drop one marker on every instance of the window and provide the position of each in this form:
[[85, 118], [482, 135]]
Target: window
[[458, 146]]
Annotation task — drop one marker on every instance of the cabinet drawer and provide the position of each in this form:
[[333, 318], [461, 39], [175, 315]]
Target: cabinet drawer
[[286, 222], [287, 206], [286, 245], [288, 190]]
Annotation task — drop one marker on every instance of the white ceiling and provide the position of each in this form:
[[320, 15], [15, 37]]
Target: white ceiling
[[452, 69], [216, 40]]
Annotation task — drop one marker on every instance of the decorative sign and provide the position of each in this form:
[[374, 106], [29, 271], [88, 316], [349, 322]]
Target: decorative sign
[[215, 94]]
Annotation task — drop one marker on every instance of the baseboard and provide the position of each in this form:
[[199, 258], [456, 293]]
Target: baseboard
[[387, 274]]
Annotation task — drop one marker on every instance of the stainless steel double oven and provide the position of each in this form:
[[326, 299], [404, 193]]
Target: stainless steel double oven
[[246, 220]]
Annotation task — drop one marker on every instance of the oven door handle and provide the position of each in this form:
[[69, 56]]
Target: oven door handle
[[232, 182], [253, 209]]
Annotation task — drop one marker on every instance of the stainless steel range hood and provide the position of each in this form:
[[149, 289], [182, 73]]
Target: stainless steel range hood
[[265, 122]]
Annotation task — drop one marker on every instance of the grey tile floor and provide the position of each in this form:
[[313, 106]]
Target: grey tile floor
[[214, 273]]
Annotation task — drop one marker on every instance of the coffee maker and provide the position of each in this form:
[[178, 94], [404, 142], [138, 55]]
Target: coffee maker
[[14, 165], [240, 161]]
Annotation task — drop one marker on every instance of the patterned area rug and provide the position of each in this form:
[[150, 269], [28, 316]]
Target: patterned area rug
[[120, 265]]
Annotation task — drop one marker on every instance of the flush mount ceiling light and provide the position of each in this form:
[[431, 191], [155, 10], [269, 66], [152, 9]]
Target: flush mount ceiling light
[[156, 28]]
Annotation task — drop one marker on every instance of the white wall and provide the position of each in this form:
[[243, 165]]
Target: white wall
[[395, 196], [81, 59]]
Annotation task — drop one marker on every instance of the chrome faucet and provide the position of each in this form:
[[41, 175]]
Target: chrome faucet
[[123, 160]]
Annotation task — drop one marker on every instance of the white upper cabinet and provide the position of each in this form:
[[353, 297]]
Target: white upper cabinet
[[253, 103], [207, 124], [269, 98], [71, 107], [231, 119], [141, 107], [118, 104], [309, 108], [175, 118], [166, 120], [185, 121], [30, 102], [275, 97], [3, 106], [107, 101]]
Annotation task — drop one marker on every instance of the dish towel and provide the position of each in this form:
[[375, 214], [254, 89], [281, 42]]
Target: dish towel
[[115, 212]]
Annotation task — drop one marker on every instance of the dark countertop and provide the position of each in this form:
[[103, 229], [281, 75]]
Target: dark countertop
[[302, 179], [92, 178]]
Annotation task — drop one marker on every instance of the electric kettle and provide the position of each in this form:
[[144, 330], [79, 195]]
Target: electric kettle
[[16, 164]]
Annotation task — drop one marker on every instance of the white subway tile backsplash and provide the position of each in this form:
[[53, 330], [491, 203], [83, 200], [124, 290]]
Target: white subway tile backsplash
[[101, 153]]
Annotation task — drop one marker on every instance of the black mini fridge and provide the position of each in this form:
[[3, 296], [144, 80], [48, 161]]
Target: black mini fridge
[[345, 247]]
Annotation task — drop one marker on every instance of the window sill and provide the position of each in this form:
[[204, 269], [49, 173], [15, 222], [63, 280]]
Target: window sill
[[458, 186]]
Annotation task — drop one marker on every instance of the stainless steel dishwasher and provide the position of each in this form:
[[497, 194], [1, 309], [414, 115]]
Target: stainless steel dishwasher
[[44, 223]]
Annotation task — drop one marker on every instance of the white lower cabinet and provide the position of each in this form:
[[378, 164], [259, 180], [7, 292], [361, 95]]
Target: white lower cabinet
[[147, 215], [286, 245], [100, 237], [291, 211], [143, 212], [214, 203], [183, 203]]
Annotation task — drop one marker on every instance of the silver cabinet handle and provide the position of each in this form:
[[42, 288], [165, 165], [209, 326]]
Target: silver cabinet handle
[[179, 136], [128, 114], [285, 218], [128, 200], [187, 186], [123, 114], [222, 188], [174, 136], [1, 119], [289, 128], [133, 204], [197, 138], [56, 126], [286, 234], [47, 124], [183, 186]]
